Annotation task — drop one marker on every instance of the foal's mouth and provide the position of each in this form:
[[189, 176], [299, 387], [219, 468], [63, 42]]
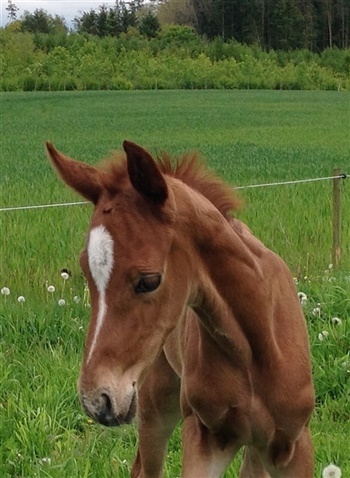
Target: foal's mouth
[[105, 410]]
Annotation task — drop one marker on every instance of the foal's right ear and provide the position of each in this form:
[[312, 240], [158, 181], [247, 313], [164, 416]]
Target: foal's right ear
[[144, 174], [84, 179]]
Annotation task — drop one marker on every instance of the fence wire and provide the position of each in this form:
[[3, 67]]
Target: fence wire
[[250, 186]]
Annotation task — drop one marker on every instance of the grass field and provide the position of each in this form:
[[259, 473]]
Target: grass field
[[247, 137]]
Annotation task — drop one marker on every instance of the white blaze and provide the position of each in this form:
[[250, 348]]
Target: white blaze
[[100, 257]]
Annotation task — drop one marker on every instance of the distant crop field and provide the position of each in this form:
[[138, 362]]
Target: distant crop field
[[247, 137]]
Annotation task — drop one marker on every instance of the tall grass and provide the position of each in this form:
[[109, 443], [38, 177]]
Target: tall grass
[[247, 137]]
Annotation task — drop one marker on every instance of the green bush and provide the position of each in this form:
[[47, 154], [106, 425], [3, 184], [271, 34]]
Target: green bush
[[176, 58]]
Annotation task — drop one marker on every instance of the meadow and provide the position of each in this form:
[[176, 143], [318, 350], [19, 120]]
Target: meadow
[[247, 137]]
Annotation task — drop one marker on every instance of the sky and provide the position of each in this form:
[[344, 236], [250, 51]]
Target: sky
[[64, 8]]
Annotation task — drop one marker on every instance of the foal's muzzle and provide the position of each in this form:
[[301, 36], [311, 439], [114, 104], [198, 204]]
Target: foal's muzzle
[[104, 408]]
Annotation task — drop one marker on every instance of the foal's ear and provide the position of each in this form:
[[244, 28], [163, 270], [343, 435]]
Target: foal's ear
[[144, 173], [84, 179]]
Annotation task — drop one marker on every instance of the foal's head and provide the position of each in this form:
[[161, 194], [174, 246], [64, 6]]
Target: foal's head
[[137, 261], [128, 266]]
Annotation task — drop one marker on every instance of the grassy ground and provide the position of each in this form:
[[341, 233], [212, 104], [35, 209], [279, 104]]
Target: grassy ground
[[247, 137]]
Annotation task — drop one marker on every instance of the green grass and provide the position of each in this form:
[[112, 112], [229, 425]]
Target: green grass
[[247, 137]]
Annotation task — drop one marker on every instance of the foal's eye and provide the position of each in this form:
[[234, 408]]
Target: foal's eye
[[148, 283]]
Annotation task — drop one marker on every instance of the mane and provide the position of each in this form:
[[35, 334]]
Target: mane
[[188, 168], [192, 171]]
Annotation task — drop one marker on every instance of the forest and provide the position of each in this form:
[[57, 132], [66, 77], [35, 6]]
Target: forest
[[270, 44], [278, 24]]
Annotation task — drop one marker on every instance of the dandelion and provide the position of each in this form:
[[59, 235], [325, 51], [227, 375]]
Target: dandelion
[[45, 460], [21, 299], [76, 299], [346, 365], [5, 291], [66, 271], [61, 302], [51, 289], [331, 471], [323, 335], [302, 298], [336, 321], [330, 267], [316, 312], [65, 276]]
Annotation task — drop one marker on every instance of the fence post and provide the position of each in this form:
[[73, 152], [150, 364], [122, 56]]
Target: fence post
[[336, 248]]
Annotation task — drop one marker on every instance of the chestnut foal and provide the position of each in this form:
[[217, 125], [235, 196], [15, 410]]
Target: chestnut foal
[[191, 317]]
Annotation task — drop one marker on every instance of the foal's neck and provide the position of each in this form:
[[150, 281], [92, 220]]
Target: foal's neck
[[231, 290]]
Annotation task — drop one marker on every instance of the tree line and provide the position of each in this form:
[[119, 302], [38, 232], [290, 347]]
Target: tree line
[[177, 58], [271, 24]]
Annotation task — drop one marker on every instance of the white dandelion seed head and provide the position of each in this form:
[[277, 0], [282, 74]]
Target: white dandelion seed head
[[5, 291], [336, 321], [61, 302], [64, 275], [76, 299], [330, 266], [45, 460], [331, 471], [51, 288], [21, 299], [316, 311], [323, 335], [302, 298]]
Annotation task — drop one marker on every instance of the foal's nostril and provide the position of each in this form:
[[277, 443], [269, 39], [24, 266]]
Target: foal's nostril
[[106, 406], [110, 413]]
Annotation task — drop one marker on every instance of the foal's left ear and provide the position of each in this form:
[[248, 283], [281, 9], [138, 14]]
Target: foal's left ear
[[144, 173]]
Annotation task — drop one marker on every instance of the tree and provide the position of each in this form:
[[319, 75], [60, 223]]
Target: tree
[[42, 22], [342, 23], [286, 25], [87, 22], [179, 12], [109, 21], [12, 10], [149, 25], [102, 21], [114, 22]]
